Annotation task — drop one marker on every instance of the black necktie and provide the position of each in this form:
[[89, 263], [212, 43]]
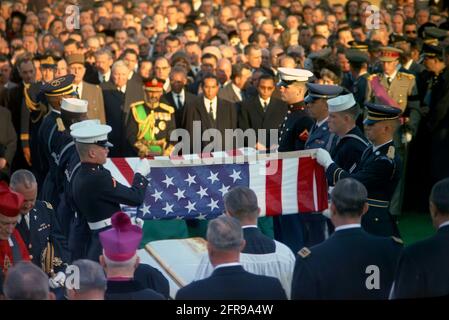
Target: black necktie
[[179, 101], [24, 230], [389, 80], [265, 105], [77, 92], [211, 112]]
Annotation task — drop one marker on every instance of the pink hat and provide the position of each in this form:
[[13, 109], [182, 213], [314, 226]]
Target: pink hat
[[120, 243]]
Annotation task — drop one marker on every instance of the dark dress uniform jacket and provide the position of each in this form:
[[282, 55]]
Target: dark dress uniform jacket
[[97, 196], [321, 137], [233, 283], [253, 116], [44, 228], [130, 290], [337, 267], [349, 149], [189, 100], [379, 172], [294, 132], [423, 268]]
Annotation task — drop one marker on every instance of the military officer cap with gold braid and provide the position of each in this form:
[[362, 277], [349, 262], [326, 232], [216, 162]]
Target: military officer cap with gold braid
[[59, 86], [154, 85], [380, 112]]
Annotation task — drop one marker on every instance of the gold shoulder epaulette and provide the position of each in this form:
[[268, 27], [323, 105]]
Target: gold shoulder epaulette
[[60, 124], [390, 153], [167, 108], [136, 104], [406, 75], [397, 240], [48, 204], [304, 252]]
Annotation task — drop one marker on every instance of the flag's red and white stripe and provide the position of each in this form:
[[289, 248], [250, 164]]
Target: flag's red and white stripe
[[284, 185]]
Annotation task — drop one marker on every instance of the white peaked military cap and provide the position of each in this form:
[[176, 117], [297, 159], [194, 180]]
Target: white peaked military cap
[[92, 134], [341, 103], [293, 74], [74, 105], [84, 123]]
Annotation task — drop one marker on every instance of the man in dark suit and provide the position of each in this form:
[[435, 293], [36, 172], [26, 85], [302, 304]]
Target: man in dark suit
[[229, 280], [234, 91], [118, 95], [179, 97], [351, 264], [212, 113], [422, 269], [263, 112], [39, 227], [120, 260], [8, 142]]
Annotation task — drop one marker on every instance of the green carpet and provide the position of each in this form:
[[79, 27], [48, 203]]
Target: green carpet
[[415, 226]]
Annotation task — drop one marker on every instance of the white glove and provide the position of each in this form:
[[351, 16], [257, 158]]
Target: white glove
[[324, 158], [138, 222], [57, 281], [143, 167]]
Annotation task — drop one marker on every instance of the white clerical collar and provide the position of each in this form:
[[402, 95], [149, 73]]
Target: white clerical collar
[[224, 265], [348, 226], [249, 226], [444, 224], [318, 124], [375, 148]]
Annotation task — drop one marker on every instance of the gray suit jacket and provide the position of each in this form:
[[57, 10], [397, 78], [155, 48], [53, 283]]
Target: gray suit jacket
[[228, 94], [94, 95]]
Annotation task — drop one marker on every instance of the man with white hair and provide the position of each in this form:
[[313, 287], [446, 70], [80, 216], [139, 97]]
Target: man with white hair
[[118, 95], [120, 260]]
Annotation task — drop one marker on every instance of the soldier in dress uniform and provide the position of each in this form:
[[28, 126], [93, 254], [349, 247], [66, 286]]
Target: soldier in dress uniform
[[96, 194], [343, 113], [397, 89], [12, 246], [378, 170], [293, 135], [49, 131], [319, 137], [317, 108], [339, 268], [40, 229], [120, 260], [149, 128]]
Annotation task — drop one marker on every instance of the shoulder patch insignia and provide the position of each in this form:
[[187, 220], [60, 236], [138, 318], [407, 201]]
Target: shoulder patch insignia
[[304, 252], [136, 104], [167, 108], [390, 153], [397, 240], [48, 205]]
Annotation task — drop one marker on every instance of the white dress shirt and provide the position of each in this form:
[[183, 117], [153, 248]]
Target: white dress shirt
[[182, 97], [214, 106]]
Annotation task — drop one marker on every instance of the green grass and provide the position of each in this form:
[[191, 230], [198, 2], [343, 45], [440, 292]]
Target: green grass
[[415, 226]]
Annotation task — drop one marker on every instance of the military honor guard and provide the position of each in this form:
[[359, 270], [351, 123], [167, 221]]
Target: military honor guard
[[12, 247], [317, 108], [339, 268], [378, 170], [96, 194], [52, 126], [149, 127], [397, 89], [293, 135], [343, 113], [120, 260], [39, 229]]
